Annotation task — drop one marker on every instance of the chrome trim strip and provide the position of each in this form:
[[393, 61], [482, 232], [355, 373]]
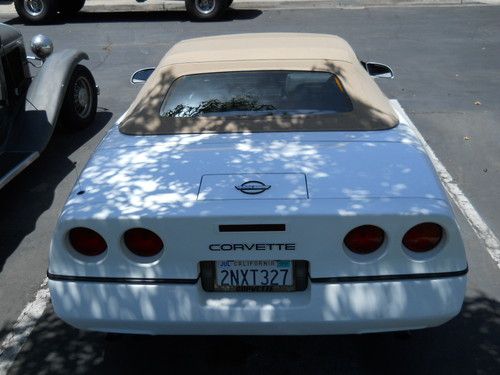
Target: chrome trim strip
[[18, 169]]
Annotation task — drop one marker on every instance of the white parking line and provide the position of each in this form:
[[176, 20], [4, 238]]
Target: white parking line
[[482, 230], [21, 330], [14, 341]]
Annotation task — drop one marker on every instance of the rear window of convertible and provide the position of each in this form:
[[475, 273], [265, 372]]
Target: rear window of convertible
[[255, 93]]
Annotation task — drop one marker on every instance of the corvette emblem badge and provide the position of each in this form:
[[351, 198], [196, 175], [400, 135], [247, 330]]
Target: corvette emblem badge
[[253, 187]]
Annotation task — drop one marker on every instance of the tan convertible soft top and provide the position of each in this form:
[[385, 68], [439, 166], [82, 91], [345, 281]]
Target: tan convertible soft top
[[251, 52]]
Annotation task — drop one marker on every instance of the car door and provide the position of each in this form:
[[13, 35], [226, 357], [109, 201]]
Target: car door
[[16, 136], [4, 121]]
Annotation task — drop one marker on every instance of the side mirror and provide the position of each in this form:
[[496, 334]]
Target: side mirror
[[377, 70], [141, 75], [42, 46]]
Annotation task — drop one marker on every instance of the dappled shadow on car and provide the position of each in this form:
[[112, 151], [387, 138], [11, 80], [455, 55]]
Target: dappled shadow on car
[[175, 193], [56, 348], [31, 193], [146, 16]]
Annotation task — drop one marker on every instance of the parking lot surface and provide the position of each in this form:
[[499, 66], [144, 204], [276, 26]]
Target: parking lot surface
[[447, 65]]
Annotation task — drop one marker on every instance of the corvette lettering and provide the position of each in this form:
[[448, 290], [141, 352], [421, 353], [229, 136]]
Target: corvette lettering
[[253, 246]]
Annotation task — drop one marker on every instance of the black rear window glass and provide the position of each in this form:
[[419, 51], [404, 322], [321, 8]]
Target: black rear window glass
[[256, 93]]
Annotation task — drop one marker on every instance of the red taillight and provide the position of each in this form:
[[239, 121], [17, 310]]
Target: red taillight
[[364, 239], [423, 237], [87, 241], [143, 242]]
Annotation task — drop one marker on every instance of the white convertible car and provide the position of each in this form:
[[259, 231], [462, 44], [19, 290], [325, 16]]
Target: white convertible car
[[258, 184]]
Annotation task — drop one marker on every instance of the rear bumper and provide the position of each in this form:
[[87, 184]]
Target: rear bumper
[[323, 308]]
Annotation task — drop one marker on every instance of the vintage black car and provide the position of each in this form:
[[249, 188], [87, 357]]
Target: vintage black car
[[35, 11], [63, 93]]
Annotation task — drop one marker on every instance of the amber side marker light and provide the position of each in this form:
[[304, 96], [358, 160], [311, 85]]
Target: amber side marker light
[[364, 239], [423, 237], [143, 242], [87, 241]]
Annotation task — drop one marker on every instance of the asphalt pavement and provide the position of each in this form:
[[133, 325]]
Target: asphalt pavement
[[447, 65]]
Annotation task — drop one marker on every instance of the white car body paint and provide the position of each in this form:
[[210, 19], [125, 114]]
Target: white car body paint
[[177, 186], [343, 308]]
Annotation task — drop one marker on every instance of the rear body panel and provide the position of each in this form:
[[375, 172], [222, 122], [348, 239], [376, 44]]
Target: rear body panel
[[324, 308], [322, 185]]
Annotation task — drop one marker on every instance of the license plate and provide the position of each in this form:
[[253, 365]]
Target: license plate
[[254, 275]]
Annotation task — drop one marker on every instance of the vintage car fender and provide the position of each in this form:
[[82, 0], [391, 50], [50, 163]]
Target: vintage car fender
[[46, 93]]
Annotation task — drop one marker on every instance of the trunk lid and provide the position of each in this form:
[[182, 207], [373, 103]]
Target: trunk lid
[[166, 170]]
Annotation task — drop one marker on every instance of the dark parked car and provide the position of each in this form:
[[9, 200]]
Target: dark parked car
[[44, 10], [63, 93]]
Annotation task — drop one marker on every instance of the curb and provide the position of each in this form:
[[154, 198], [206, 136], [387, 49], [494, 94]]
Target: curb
[[7, 7]]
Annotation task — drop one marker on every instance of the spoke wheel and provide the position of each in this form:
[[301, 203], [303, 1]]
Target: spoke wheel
[[80, 102], [82, 97]]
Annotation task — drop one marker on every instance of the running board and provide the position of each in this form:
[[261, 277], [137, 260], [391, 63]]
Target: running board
[[13, 163]]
